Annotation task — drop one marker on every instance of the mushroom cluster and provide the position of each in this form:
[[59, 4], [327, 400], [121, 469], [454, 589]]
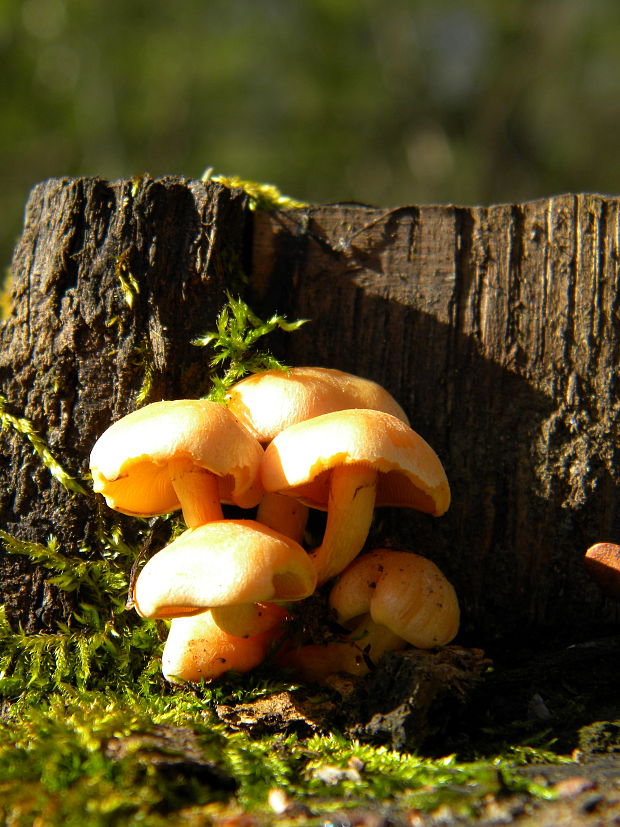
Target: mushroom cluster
[[285, 442]]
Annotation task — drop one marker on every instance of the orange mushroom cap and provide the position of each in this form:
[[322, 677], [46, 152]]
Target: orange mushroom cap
[[602, 562], [131, 461], [405, 592], [299, 460], [388, 599], [223, 563], [268, 402], [347, 462]]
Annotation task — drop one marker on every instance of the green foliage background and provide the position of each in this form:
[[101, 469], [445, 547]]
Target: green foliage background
[[380, 101]]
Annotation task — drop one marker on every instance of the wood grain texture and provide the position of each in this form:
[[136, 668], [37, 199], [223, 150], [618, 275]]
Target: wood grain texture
[[498, 330], [109, 279]]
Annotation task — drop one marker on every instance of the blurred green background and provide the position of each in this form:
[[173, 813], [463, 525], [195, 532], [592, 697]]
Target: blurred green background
[[385, 102]]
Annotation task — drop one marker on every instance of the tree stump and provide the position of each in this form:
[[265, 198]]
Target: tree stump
[[110, 283], [496, 328]]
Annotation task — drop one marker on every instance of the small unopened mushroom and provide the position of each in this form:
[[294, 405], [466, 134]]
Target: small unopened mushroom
[[388, 599], [185, 453], [197, 648], [346, 462], [223, 563]]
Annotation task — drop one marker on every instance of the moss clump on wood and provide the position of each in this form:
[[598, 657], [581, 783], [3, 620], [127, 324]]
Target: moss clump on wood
[[234, 345], [600, 737], [262, 196], [101, 645], [24, 427], [130, 756]]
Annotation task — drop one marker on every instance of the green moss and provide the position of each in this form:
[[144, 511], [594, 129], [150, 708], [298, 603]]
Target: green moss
[[26, 429], [129, 286], [262, 196], [128, 756], [235, 345], [101, 645], [144, 359], [56, 759]]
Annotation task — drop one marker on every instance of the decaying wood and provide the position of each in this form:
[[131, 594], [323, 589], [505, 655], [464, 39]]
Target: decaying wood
[[412, 695], [496, 328], [111, 281]]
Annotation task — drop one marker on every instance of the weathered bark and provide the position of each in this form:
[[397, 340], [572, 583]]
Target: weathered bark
[[496, 328], [111, 281]]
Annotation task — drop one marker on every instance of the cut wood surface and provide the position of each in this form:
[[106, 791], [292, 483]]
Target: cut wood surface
[[496, 328]]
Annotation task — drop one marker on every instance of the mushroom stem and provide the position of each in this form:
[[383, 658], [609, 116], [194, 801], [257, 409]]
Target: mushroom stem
[[349, 515], [284, 514], [356, 656], [374, 639], [198, 493], [197, 649], [246, 619]]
